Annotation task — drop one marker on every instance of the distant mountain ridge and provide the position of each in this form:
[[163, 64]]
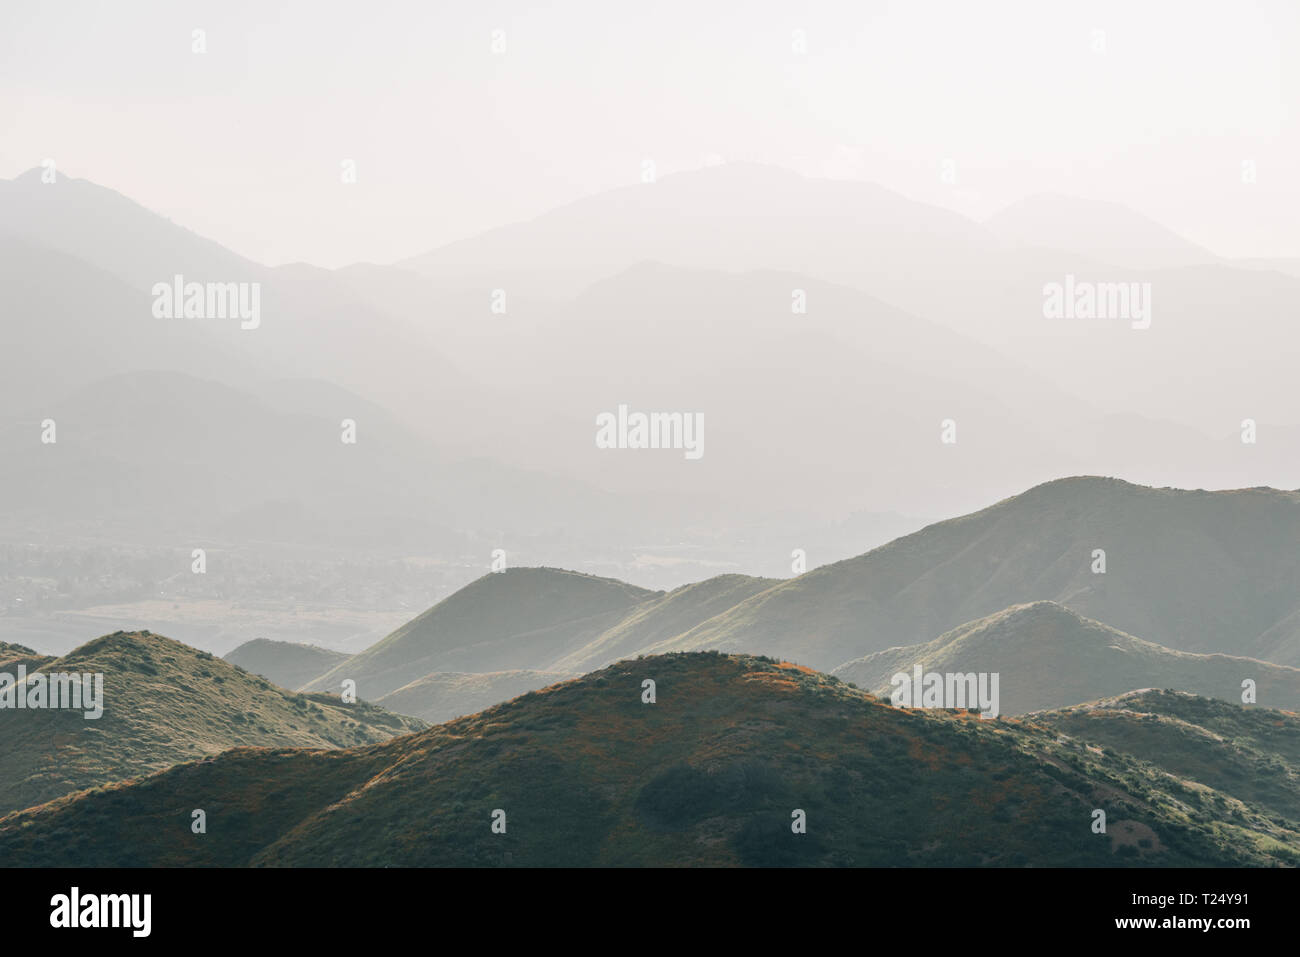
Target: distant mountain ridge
[[1100, 231]]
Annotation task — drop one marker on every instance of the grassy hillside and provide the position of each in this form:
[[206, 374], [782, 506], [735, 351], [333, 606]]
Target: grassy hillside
[[587, 773], [165, 702], [519, 619], [1192, 570], [444, 695], [1251, 755], [12, 655], [664, 617], [1048, 656], [288, 664], [521, 630]]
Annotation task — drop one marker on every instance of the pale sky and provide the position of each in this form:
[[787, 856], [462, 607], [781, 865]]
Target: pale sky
[[244, 142]]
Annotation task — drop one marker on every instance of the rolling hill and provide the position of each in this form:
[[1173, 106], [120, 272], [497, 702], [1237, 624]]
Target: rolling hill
[[520, 630], [1208, 579], [662, 617], [288, 664], [163, 703], [518, 619], [1247, 754], [444, 695], [717, 771], [1194, 571], [1048, 656]]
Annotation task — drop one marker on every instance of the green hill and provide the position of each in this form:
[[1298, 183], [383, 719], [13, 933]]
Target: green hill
[[288, 664], [519, 619], [1192, 570], [710, 774], [164, 703], [1048, 656], [522, 630], [1251, 755], [663, 617], [444, 695]]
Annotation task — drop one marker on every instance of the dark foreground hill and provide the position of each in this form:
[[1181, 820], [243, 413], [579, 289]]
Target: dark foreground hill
[[288, 664], [731, 753], [1048, 656], [165, 702]]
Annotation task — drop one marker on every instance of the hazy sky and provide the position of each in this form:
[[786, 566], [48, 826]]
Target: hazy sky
[[244, 143]]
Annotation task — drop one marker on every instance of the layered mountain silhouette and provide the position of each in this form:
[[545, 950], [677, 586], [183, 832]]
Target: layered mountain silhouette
[[717, 255], [731, 217], [164, 703], [982, 280], [1048, 656], [737, 761], [231, 452]]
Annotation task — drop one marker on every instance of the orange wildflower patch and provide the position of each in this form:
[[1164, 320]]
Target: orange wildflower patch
[[773, 680]]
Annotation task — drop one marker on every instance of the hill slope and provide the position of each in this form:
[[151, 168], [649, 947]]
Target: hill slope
[[1191, 570], [444, 695], [286, 663], [1247, 754], [711, 773], [163, 703], [663, 617], [519, 619], [12, 655], [1048, 656]]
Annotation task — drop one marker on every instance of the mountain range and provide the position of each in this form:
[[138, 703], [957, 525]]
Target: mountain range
[[700, 270]]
